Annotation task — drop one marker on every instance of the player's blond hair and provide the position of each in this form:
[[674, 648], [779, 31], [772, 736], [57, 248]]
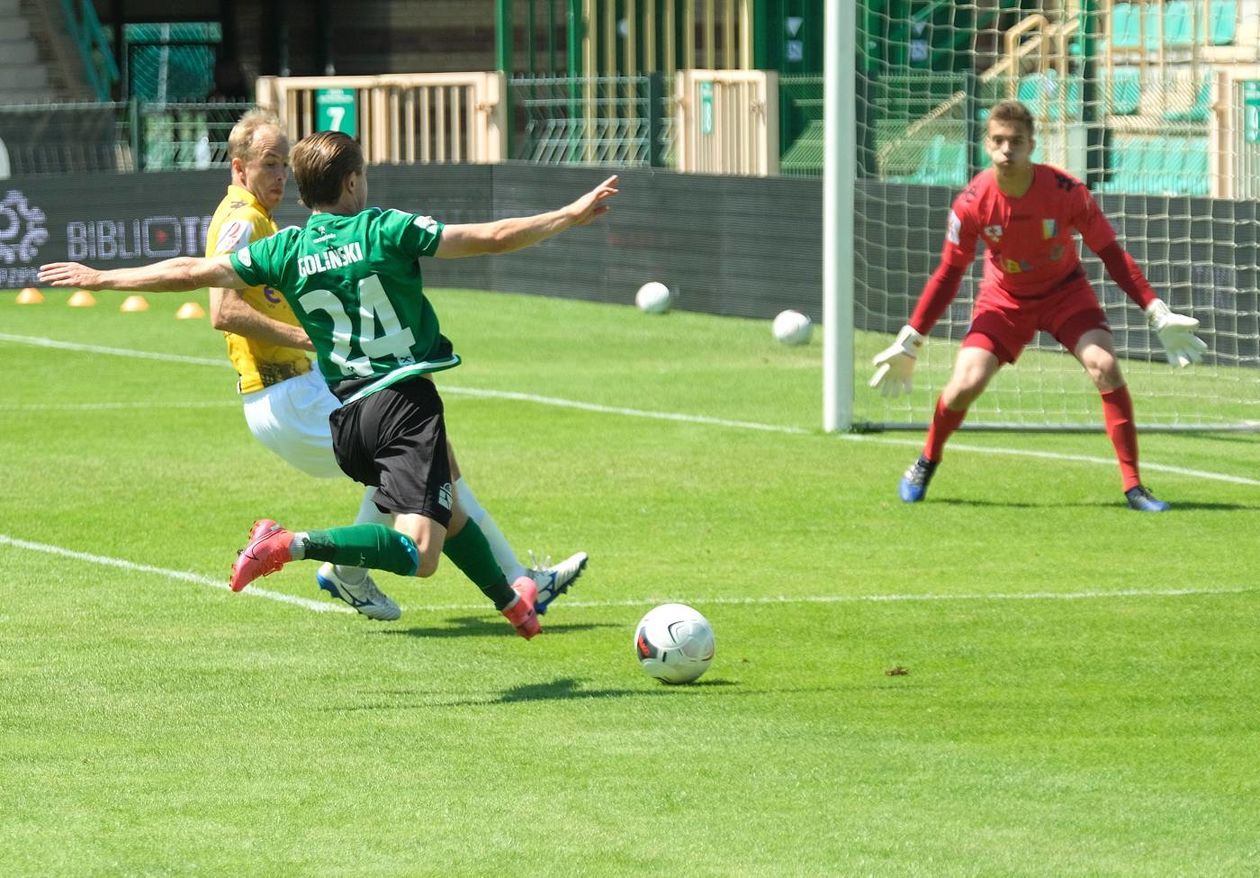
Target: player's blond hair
[[1012, 112], [241, 140], [321, 162]]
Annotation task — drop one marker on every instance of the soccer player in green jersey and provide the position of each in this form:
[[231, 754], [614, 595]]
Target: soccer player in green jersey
[[285, 402], [353, 278]]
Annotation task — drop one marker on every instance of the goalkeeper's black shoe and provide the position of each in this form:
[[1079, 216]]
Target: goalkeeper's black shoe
[[1143, 500], [914, 484]]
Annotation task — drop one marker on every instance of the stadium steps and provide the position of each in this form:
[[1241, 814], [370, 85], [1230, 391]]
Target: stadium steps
[[804, 158], [23, 77], [944, 163], [57, 51], [37, 62]]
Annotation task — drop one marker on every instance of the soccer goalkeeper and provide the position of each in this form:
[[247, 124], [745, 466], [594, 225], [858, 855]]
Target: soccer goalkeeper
[[1033, 280]]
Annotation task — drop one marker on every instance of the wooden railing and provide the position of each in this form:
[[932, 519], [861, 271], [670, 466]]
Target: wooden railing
[[402, 118], [727, 122]]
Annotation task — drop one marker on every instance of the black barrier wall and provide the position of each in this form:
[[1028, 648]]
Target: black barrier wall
[[737, 246]]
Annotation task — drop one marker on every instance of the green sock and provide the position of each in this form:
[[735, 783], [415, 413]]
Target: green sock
[[471, 553], [364, 545]]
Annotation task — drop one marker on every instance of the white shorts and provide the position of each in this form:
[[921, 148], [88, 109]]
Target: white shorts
[[291, 419]]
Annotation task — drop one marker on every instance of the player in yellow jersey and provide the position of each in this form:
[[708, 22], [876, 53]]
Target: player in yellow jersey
[[286, 403]]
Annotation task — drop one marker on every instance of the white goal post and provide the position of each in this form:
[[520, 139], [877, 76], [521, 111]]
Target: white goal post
[[1150, 102]]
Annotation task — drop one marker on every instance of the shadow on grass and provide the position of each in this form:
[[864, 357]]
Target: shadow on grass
[[562, 689], [567, 688], [479, 626]]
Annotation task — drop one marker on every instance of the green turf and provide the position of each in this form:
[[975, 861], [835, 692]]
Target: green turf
[[1083, 682]]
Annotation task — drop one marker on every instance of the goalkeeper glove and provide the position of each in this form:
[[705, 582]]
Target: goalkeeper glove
[[1176, 334], [895, 364]]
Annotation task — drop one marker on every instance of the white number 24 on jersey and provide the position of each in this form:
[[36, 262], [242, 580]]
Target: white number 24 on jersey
[[376, 314]]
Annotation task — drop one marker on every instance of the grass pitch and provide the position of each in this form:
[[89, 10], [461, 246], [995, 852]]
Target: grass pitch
[[1018, 676]]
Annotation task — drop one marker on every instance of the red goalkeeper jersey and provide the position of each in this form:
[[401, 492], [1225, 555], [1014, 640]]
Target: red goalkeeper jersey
[[1029, 239]]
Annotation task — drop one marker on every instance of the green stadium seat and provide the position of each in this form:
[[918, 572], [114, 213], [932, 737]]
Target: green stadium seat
[[1198, 111], [1196, 179], [1222, 29], [1152, 22], [1171, 172], [1042, 93], [1124, 26], [944, 163], [1157, 165], [1126, 91], [1178, 24]]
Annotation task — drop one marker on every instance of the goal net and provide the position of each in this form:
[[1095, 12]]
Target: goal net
[[1155, 104]]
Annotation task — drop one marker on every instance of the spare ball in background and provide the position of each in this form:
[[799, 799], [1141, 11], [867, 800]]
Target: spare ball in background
[[654, 298], [792, 327]]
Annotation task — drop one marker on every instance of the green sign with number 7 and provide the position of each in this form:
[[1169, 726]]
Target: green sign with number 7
[[335, 111]]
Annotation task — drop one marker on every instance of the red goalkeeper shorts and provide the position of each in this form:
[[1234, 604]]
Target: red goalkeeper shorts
[[1003, 324]]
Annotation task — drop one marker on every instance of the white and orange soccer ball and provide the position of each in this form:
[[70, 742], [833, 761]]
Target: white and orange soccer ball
[[674, 643]]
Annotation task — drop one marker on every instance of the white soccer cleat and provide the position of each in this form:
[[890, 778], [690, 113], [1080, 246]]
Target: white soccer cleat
[[363, 596], [554, 581]]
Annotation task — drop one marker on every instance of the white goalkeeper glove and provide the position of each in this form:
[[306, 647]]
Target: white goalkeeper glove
[[894, 365], [1176, 334]]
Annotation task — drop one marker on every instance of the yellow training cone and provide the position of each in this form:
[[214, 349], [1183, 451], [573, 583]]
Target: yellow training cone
[[82, 299], [30, 296], [134, 303], [189, 311]]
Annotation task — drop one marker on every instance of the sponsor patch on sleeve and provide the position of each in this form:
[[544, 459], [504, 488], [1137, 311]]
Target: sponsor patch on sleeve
[[233, 236], [425, 223], [953, 231]]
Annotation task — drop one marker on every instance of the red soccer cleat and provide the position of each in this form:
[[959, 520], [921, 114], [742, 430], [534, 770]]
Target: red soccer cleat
[[521, 614], [267, 552]]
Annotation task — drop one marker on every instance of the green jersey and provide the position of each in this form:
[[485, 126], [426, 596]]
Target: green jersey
[[354, 283]]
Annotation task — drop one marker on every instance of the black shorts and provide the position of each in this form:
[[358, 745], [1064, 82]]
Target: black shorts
[[395, 440]]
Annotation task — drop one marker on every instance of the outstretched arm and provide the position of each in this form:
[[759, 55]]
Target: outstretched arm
[[180, 274], [515, 233]]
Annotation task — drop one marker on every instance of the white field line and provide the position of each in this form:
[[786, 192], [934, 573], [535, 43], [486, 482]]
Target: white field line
[[330, 607], [113, 406], [685, 418], [117, 352], [763, 600], [181, 575]]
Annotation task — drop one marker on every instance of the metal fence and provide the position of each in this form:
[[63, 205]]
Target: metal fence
[[598, 120], [120, 137]]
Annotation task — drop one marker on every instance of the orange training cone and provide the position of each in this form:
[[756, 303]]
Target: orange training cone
[[30, 296], [190, 311], [82, 299], [134, 303]]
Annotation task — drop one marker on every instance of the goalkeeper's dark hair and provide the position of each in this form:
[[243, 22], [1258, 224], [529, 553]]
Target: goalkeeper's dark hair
[[321, 162], [1013, 111]]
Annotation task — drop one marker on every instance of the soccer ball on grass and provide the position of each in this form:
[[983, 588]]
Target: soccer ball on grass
[[792, 327], [654, 297], [674, 643]]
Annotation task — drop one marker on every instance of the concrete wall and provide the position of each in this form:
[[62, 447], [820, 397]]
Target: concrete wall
[[732, 246]]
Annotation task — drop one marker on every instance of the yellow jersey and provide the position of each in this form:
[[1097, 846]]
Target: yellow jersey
[[239, 221]]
